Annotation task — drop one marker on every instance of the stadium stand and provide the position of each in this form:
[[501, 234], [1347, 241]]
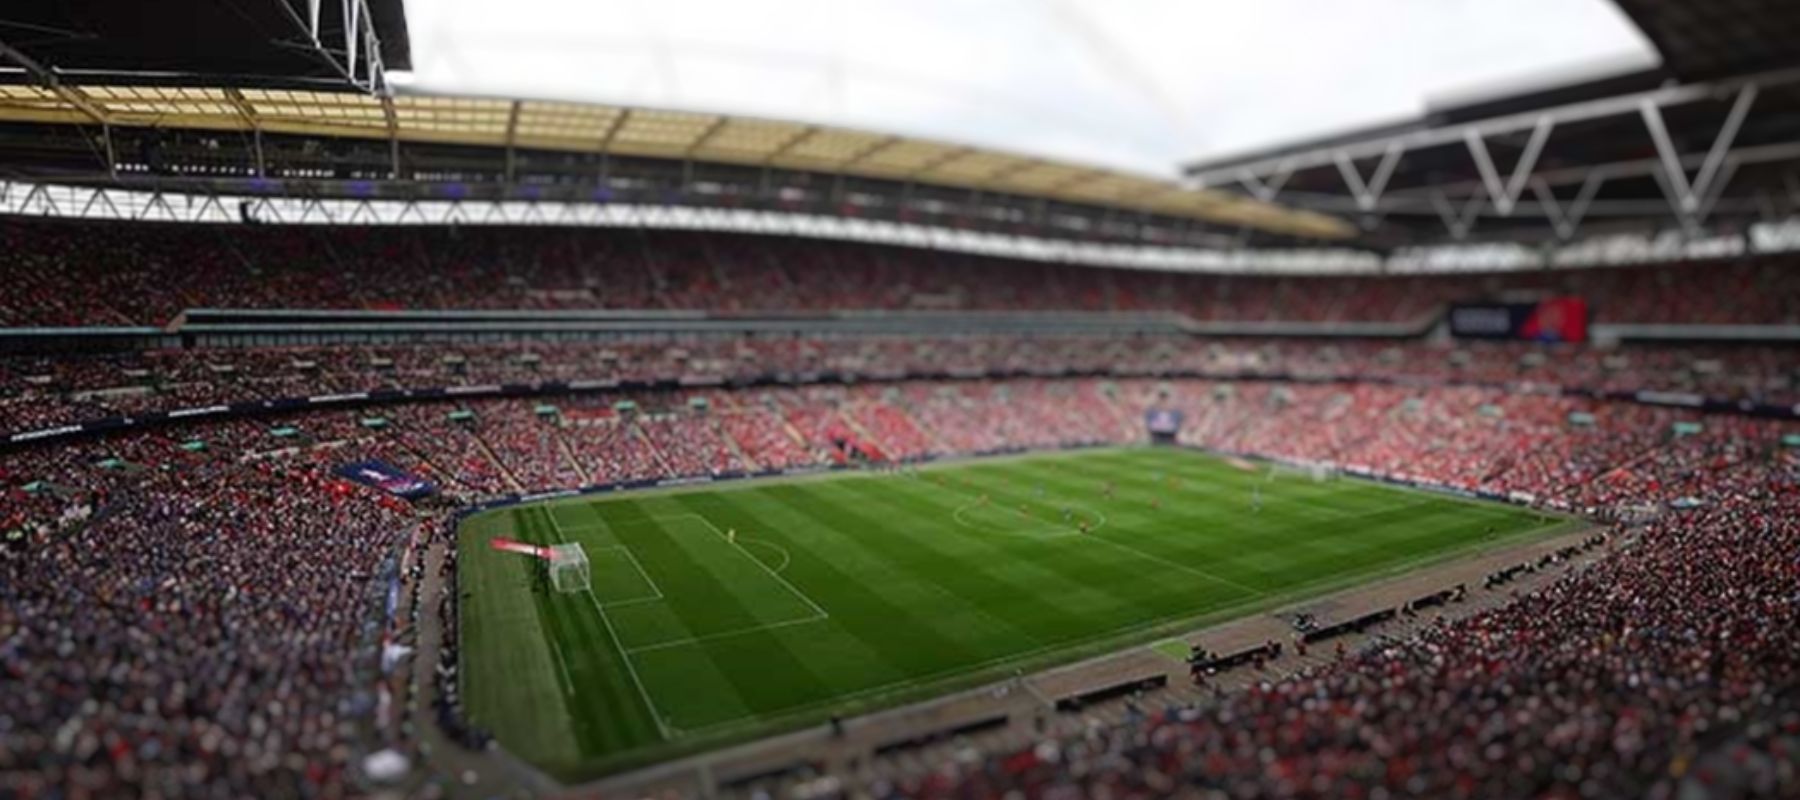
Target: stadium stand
[[204, 593], [209, 567], [274, 267], [37, 393]]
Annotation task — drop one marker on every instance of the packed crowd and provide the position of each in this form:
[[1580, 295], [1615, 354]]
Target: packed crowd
[[201, 635], [177, 614], [40, 393], [1669, 669], [149, 273]]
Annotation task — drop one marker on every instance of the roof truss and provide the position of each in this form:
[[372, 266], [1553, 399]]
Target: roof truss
[[510, 126], [1691, 173]]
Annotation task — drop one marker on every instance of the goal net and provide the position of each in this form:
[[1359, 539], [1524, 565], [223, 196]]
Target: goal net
[[568, 568]]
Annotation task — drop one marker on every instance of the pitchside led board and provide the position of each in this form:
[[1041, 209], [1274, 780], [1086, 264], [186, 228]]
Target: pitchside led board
[[1557, 319]]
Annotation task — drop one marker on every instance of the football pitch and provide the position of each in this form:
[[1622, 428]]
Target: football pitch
[[724, 612]]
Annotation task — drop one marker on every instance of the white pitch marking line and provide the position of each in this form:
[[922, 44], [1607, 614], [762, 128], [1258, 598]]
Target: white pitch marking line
[[1053, 530], [625, 655], [772, 573], [637, 565], [562, 664], [1301, 591], [725, 634], [1180, 566], [786, 557], [640, 569], [1094, 536], [933, 677]]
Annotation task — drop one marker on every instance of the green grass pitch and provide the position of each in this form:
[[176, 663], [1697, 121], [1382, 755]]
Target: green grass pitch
[[846, 592]]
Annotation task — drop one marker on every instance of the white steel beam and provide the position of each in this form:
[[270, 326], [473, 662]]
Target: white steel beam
[[1266, 191], [1458, 223], [1672, 173], [1719, 180], [1590, 178], [1368, 194], [351, 9], [1687, 196], [1758, 154], [1734, 122], [1505, 195], [361, 54], [1489, 128]]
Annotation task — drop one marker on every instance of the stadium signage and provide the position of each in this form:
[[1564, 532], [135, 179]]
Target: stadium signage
[[198, 412], [1163, 421], [425, 394], [46, 433], [1493, 321], [388, 478], [1557, 319], [548, 495]]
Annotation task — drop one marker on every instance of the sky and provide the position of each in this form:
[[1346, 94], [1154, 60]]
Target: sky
[[1138, 85]]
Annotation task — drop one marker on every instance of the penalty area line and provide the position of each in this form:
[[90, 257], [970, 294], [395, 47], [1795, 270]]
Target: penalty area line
[[662, 726], [640, 569]]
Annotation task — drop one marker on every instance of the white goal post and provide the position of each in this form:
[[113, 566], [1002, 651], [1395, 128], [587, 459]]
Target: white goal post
[[569, 568]]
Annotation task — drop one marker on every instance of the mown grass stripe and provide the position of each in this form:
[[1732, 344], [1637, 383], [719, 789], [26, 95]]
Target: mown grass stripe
[[621, 714], [863, 610], [1127, 578], [916, 600], [906, 556], [759, 685]]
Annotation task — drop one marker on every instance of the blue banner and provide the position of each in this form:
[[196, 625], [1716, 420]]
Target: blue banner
[[1163, 421], [388, 478]]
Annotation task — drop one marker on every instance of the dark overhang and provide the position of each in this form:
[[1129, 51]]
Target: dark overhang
[[321, 43]]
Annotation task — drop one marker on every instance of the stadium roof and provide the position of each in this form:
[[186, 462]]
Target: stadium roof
[[509, 125], [142, 74], [1636, 152], [237, 42], [1636, 148], [1710, 39], [1123, 85], [1708, 140]]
